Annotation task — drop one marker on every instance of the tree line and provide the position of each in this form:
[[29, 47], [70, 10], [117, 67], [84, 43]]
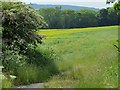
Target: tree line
[[58, 18]]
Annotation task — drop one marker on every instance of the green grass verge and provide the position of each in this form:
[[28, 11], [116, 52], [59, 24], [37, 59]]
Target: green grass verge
[[88, 58]]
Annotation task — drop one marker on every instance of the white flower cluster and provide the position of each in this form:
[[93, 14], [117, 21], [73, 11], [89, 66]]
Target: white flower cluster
[[111, 1], [2, 76]]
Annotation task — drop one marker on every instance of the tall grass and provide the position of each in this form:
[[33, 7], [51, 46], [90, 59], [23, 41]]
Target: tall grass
[[88, 57], [39, 67], [7, 83], [36, 66], [81, 58]]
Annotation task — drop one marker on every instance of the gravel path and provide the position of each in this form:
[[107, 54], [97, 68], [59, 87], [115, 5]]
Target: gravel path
[[35, 85]]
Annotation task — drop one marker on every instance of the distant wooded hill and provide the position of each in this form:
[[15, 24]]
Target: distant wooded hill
[[37, 6]]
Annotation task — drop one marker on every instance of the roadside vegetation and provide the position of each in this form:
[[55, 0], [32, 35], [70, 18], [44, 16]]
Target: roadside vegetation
[[23, 59], [88, 57], [65, 48]]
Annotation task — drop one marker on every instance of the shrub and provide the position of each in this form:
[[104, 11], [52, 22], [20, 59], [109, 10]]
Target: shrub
[[20, 56], [39, 66], [31, 74], [19, 23], [11, 61]]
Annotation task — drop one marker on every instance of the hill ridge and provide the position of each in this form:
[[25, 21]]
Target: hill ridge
[[73, 7]]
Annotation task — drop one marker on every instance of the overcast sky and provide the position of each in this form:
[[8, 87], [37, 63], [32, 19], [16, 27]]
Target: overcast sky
[[87, 3]]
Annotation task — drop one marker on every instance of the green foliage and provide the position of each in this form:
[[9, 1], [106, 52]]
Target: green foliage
[[31, 74], [117, 6], [112, 16], [53, 18], [19, 23], [40, 66], [88, 57], [43, 57], [68, 18], [88, 18], [37, 66], [11, 61], [107, 17], [103, 17], [117, 46], [7, 83], [20, 56], [58, 18]]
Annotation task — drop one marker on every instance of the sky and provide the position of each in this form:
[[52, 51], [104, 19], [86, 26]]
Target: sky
[[88, 3]]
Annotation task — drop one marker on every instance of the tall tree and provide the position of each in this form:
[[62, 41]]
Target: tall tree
[[88, 18], [112, 16], [52, 16], [103, 17]]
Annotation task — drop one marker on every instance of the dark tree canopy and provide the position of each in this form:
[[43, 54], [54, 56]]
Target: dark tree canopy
[[67, 18], [117, 6]]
